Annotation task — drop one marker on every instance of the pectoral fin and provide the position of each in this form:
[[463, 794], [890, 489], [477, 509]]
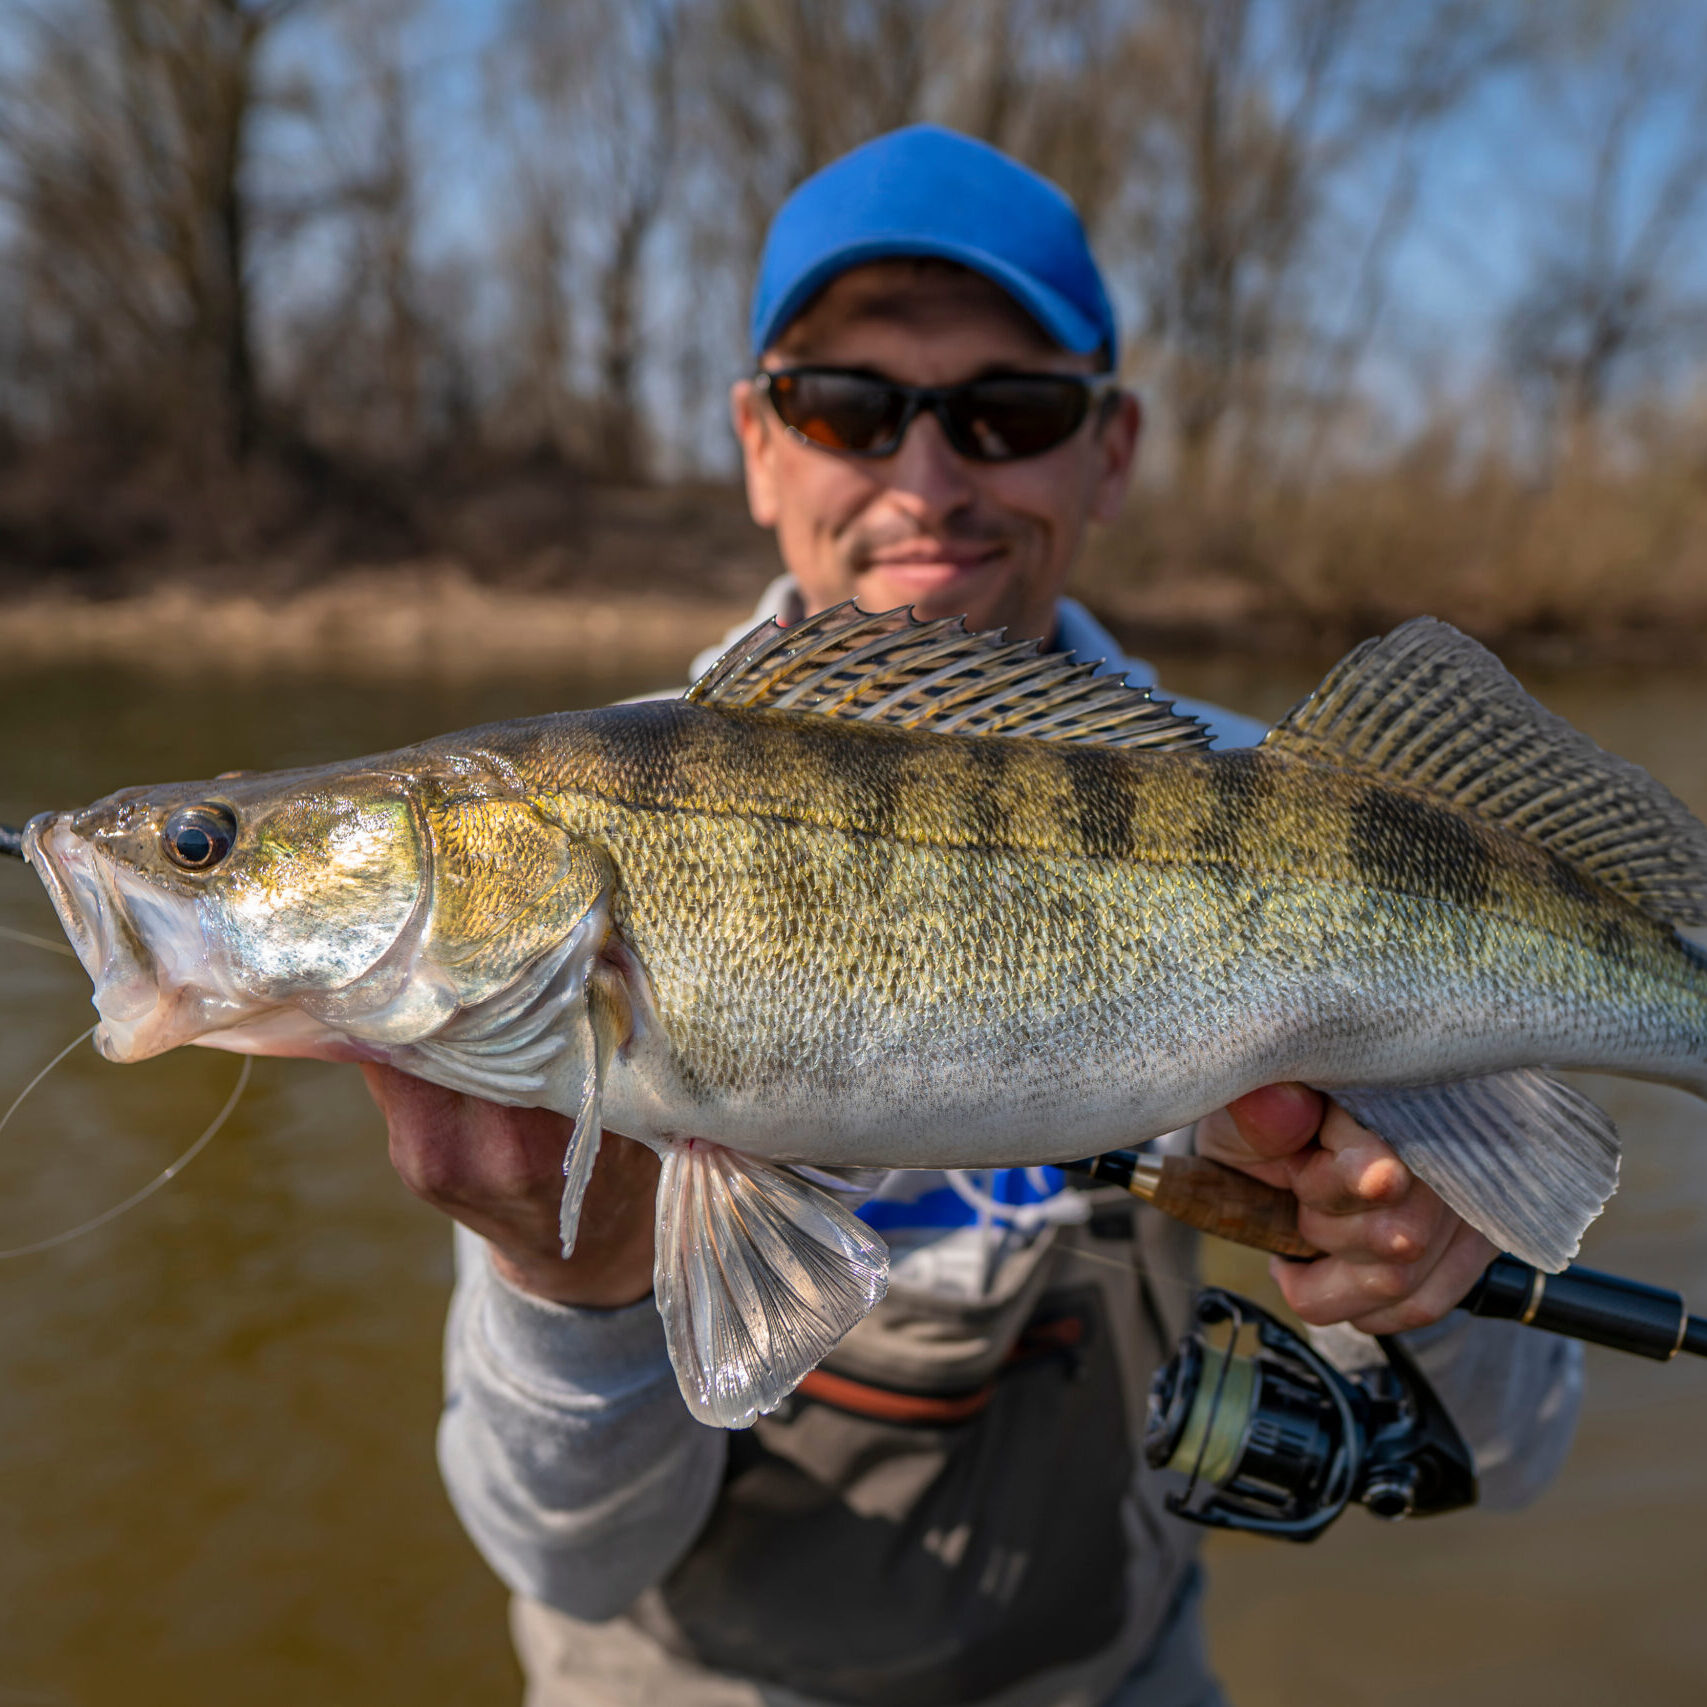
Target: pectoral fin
[[757, 1276], [604, 1017], [1524, 1159]]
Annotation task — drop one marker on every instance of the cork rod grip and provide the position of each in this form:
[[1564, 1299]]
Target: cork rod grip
[[1227, 1203]]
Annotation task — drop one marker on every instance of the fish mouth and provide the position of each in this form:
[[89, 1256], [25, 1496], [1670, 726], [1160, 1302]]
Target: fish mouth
[[143, 949]]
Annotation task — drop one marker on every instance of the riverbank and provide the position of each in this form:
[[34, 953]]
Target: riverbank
[[423, 621], [521, 568], [437, 619]]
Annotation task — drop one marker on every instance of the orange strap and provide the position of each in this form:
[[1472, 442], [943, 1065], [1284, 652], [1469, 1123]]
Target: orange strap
[[884, 1404]]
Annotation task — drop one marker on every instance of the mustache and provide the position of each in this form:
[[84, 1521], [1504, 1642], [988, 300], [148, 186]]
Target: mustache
[[864, 545]]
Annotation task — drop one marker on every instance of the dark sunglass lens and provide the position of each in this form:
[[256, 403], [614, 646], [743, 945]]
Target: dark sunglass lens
[[841, 411], [998, 420]]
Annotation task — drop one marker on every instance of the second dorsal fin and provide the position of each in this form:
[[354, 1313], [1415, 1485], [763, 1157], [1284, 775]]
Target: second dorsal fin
[[893, 669], [1433, 709]]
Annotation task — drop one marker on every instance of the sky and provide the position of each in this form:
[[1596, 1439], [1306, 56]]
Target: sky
[[1502, 175]]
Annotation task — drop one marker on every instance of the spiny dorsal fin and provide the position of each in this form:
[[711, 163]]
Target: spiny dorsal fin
[[1430, 707], [892, 668]]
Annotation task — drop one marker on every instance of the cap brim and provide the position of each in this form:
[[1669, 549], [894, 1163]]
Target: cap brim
[[1070, 328]]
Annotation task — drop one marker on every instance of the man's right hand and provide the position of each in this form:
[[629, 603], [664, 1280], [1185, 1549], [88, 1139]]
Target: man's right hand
[[499, 1171]]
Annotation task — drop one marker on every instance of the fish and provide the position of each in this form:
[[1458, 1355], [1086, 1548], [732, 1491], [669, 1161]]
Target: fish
[[884, 893]]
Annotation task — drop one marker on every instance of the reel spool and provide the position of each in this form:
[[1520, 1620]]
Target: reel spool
[[1275, 1440]]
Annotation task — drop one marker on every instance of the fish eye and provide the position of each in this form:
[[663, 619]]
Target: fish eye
[[199, 837]]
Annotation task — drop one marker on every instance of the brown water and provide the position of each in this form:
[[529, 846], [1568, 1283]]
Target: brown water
[[216, 1416]]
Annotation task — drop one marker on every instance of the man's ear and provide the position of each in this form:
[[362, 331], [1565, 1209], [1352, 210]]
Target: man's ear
[[1117, 434], [758, 450]]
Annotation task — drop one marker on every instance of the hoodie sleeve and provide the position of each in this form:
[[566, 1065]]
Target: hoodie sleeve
[[1514, 1393], [564, 1443]]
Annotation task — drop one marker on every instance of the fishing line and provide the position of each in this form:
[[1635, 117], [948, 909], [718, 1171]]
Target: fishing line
[[81, 1037], [1137, 1266], [38, 942], [164, 1177]]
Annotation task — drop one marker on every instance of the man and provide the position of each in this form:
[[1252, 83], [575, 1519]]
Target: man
[[952, 1510]]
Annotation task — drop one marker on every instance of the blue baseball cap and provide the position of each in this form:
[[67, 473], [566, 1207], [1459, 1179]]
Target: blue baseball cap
[[925, 190]]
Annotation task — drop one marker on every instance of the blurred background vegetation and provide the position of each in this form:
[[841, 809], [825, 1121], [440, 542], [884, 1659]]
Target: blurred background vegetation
[[1415, 290]]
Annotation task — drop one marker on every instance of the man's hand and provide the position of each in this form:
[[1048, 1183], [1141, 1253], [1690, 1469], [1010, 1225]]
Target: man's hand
[[1395, 1256], [500, 1171]]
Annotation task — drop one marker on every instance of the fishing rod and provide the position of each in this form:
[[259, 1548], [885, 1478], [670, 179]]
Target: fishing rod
[[1581, 1303]]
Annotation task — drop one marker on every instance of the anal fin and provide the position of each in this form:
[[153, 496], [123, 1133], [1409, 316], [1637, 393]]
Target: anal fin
[[1522, 1157], [758, 1275]]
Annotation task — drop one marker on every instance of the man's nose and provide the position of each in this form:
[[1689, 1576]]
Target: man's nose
[[926, 472]]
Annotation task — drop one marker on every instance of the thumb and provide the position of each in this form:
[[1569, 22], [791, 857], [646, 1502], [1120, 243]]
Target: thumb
[[1265, 1125]]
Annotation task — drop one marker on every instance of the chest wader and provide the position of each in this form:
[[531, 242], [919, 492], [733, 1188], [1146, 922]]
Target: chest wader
[[953, 1509]]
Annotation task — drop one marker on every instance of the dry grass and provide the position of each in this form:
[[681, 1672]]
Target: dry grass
[[1602, 563], [1597, 563]]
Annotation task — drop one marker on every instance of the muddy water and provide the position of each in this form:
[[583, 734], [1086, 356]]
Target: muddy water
[[216, 1416]]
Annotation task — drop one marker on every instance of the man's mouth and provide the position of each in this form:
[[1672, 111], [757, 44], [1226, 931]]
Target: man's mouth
[[931, 565]]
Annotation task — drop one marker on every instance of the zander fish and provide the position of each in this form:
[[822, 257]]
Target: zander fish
[[881, 893]]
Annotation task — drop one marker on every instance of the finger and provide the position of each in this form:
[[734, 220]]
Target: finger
[[1386, 1297], [1352, 1170], [1275, 1121], [1217, 1137], [1444, 1289], [399, 1096], [1404, 1233], [460, 1153], [1339, 1289]]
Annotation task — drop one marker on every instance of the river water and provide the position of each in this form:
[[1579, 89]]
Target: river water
[[216, 1415]]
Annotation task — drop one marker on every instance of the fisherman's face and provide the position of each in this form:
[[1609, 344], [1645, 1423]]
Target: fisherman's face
[[926, 526]]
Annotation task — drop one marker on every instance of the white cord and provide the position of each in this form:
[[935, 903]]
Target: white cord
[[153, 1185], [37, 941]]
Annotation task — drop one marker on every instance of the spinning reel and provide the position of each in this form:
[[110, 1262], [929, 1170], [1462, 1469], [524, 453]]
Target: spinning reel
[[1272, 1438]]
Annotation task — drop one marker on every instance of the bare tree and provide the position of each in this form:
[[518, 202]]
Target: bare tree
[[599, 153], [1607, 299], [128, 149], [1254, 115]]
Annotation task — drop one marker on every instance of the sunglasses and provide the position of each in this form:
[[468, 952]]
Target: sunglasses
[[999, 418]]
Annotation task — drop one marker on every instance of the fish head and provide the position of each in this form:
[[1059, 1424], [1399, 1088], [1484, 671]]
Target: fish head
[[252, 913]]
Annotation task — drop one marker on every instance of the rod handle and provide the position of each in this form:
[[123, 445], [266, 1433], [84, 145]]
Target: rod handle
[[1584, 1304], [1208, 1196], [1231, 1205]]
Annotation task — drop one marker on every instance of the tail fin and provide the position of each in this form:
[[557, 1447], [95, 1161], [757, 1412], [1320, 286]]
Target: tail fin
[[1522, 1157]]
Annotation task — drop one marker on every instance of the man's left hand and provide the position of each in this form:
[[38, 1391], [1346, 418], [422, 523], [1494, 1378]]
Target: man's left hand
[[1395, 1256]]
